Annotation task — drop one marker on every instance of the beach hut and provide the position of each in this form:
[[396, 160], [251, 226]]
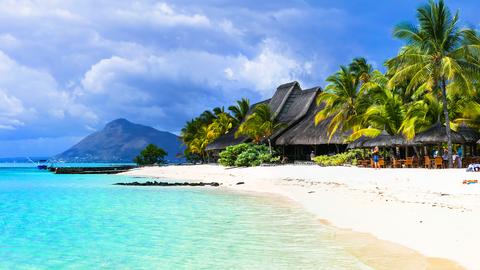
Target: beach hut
[[471, 137], [295, 108], [302, 136], [437, 135], [386, 140]]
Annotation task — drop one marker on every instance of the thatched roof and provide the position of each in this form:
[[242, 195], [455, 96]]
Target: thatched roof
[[226, 140], [437, 134], [385, 140], [304, 131], [281, 95], [470, 135], [358, 143]]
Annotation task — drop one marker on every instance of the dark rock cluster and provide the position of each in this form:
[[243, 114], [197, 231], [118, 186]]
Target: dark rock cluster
[[167, 184]]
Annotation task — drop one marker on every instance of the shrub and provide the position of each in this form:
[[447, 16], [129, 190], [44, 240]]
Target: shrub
[[349, 157], [246, 155]]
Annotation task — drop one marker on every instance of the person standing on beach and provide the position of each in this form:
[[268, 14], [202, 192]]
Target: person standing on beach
[[459, 157], [376, 157]]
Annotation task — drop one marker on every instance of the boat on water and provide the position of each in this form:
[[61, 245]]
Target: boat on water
[[41, 165]]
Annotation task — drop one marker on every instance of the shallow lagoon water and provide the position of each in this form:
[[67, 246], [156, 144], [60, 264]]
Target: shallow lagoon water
[[52, 221]]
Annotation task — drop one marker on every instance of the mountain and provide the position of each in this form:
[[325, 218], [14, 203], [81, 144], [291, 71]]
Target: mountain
[[120, 141]]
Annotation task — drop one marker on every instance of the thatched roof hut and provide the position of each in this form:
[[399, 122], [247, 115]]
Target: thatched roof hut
[[305, 132], [437, 134], [226, 140], [386, 140], [470, 135]]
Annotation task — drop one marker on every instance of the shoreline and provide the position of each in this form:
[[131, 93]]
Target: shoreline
[[428, 212]]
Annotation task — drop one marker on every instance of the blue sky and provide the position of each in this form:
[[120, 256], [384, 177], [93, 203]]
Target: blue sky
[[69, 67]]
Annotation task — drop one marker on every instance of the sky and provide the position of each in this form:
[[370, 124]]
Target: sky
[[69, 67]]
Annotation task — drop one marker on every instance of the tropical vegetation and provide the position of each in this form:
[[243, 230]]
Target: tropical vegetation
[[260, 125], [208, 126], [434, 79], [349, 157], [151, 155], [247, 155]]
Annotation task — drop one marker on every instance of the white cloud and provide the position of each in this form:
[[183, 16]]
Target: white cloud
[[159, 14], [28, 94], [263, 72], [228, 27], [37, 9], [269, 68], [9, 41], [10, 105]]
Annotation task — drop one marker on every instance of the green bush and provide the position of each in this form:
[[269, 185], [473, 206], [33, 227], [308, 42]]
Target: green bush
[[246, 155], [349, 157]]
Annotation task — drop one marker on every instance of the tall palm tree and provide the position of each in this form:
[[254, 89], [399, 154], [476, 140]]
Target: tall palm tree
[[343, 102], [361, 69], [434, 57], [260, 125], [240, 110]]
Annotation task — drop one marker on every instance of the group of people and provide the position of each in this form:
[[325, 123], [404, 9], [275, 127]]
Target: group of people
[[456, 157]]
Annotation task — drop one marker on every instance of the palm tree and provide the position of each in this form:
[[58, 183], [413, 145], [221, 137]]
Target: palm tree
[[220, 126], [260, 125], [361, 69], [386, 112], [343, 102], [421, 115], [240, 110], [434, 57]]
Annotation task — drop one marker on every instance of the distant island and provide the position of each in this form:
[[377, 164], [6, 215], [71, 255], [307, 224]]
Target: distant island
[[120, 141]]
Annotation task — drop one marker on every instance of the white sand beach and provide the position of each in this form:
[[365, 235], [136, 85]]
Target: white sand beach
[[428, 211]]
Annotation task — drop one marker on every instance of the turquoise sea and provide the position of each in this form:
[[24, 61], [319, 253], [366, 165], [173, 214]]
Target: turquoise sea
[[52, 221]]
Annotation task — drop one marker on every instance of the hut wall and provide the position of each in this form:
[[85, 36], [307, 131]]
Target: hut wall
[[302, 152]]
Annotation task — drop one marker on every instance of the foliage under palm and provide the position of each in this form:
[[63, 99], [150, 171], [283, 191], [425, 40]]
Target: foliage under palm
[[240, 110], [434, 59], [260, 125], [342, 100]]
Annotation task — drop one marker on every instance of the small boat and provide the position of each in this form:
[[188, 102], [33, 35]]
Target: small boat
[[41, 165]]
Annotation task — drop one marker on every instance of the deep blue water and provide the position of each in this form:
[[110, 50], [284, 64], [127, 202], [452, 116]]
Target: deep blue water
[[52, 221]]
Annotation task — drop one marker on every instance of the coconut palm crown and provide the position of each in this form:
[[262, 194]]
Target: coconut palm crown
[[434, 58]]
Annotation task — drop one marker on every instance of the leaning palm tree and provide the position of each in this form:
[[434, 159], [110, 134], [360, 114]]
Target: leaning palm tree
[[260, 125], [434, 57], [240, 110]]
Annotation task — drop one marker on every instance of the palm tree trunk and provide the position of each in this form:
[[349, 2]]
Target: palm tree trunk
[[447, 123], [270, 146]]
